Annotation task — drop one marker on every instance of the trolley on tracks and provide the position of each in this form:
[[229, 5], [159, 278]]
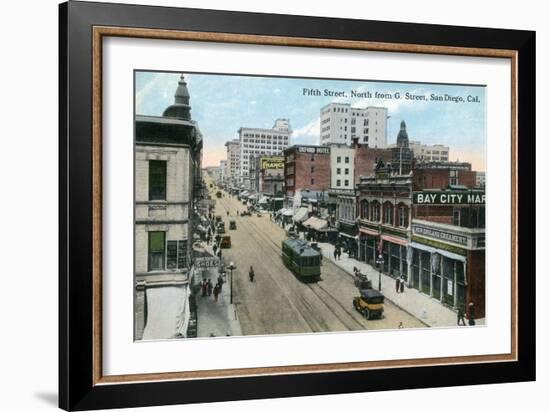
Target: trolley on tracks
[[302, 259]]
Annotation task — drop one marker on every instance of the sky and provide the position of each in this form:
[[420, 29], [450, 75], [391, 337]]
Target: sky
[[221, 104]]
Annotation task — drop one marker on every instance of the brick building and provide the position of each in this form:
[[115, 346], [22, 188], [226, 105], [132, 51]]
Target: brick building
[[448, 246], [306, 168]]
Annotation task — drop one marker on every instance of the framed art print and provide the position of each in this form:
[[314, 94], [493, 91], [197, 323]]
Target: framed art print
[[259, 205]]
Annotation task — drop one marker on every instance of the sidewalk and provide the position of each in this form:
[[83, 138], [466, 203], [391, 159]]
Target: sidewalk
[[427, 310], [216, 318]]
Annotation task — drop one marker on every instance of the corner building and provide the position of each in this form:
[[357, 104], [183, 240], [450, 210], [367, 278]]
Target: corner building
[[167, 165]]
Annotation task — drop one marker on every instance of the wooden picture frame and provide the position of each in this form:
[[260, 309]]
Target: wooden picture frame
[[83, 26]]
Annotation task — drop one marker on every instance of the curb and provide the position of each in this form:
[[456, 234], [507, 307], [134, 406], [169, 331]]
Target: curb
[[385, 297]]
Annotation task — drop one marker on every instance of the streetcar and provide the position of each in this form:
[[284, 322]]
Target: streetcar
[[302, 259]]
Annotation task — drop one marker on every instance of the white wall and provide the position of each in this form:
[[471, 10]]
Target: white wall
[[29, 301]]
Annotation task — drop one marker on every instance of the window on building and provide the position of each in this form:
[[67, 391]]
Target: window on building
[[347, 159], [338, 182], [156, 250], [346, 182], [403, 216], [338, 170], [157, 179], [364, 209], [375, 211], [339, 158], [312, 169], [388, 213], [312, 181], [453, 177], [346, 171]]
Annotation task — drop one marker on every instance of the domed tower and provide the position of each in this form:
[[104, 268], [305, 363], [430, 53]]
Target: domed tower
[[403, 137], [181, 108]]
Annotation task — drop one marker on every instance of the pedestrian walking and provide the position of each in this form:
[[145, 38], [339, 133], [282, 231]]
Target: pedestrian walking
[[251, 274], [339, 253], [400, 326], [471, 314], [204, 288], [397, 285], [209, 286], [215, 248], [216, 292], [402, 285], [335, 253], [460, 316], [201, 283], [220, 282]]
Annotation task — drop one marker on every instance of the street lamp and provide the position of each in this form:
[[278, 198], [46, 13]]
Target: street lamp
[[380, 263], [231, 267]]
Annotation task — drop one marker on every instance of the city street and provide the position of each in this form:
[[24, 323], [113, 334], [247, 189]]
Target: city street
[[277, 302]]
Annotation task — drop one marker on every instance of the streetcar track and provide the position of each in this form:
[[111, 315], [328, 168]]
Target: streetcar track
[[342, 320], [310, 320]]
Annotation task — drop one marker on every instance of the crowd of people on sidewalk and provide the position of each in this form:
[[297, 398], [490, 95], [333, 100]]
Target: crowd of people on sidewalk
[[207, 288]]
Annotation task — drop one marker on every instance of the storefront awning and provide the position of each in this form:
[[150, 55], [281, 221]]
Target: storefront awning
[[167, 312], [368, 231], [285, 212], [315, 223], [442, 252], [300, 215], [396, 240]]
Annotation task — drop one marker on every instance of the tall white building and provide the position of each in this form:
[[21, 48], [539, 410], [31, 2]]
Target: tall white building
[[233, 157], [340, 123], [428, 153], [223, 171], [257, 141]]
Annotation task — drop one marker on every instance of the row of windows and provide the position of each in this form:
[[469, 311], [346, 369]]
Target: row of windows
[[372, 211], [339, 171], [339, 183], [165, 255], [263, 136], [339, 159]]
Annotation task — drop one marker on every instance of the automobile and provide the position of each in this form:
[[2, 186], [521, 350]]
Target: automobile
[[370, 303], [218, 194], [232, 225], [225, 242], [361, 281], [246, 213], [220, 227], [218, 218], [291, 233]]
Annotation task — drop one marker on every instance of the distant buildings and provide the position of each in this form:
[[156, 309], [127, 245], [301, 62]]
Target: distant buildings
[[306, 167], [257, 141], [168, 157], [428, 153], [480, 179], [267, 175], [233, 161], [341, 123]]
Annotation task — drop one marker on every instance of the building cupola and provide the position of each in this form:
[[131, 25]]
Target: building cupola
[[181, 108]]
